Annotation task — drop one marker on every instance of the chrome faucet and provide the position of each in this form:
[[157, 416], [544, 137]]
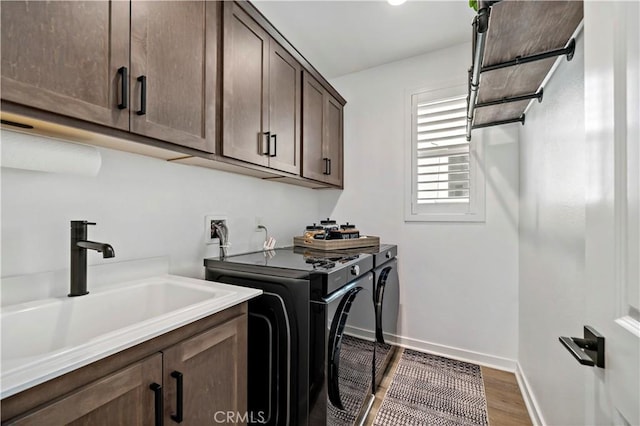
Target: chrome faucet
[[79, 247]]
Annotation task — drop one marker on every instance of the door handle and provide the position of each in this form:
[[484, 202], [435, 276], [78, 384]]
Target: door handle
[[124, 87], [588, 350], [327, 166], [265, 143], [159, 409], [275, 146], [143, 95], [179, 397], [335, 343], [379, 300]]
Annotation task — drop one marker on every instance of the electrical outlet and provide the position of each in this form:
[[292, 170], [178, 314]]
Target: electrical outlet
[[211, 235]]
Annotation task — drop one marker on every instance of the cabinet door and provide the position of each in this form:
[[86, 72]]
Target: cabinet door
[[173, 71], [245, 87], [332, 143], [284, 110], [121, 398], [314, 165], [206, 374], [64, 57]]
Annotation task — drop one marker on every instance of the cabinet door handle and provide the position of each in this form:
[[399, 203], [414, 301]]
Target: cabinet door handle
[[124, 87], [275, 146], [265, 143], [143, 95], [159, 409], [329, 160], [179, 394], [326, 166]]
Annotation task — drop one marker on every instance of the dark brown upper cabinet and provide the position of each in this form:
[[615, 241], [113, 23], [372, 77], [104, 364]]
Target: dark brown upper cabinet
[[174, 46], [64, 57], [322, 134], [261, 95], [72, 58]]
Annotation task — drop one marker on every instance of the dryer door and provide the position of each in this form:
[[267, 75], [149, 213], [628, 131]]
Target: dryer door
[[387, 299], [350, 356]]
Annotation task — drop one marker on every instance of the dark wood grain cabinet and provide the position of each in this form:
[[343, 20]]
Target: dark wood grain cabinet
[[64, 57], [145, 67], [198, 381], [123, 397], [174, 47], [261, 95], [208, 79], [322, 134], [211, 368]]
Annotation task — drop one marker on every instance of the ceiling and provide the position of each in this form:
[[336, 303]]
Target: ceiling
[[341, 37]]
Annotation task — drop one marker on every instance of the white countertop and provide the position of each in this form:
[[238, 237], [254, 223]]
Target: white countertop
[[47, 338]]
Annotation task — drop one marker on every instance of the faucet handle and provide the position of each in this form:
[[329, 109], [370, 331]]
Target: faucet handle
[[81, 223]]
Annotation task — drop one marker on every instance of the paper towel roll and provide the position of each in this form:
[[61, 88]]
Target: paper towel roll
[[34, 152]]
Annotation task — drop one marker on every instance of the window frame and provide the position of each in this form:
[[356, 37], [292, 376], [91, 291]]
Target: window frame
[[474, 211]]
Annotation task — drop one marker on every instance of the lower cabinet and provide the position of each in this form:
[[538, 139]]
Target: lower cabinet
[[200, 380], [121, 398], [205, 376]]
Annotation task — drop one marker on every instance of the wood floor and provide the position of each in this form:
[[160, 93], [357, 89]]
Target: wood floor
[[505, 405]]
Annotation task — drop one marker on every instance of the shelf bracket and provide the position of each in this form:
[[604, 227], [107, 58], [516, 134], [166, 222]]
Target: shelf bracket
[[569, 50], [509, 99], [498, 123]]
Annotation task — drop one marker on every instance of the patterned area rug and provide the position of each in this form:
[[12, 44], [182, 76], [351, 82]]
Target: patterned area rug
[[355, 379], [433, 390]]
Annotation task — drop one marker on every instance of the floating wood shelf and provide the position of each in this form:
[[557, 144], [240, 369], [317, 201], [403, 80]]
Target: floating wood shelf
[[515, 44]]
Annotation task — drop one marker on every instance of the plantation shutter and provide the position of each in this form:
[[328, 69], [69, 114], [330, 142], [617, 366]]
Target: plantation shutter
[[442, 151]]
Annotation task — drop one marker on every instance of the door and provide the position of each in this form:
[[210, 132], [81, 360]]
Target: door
[[387, 304], [173, 71], [314, 165], [245, 87], [127, 396], [350, 350], [612, 64], [205, 376], [69, 58], [284, 110], [332, 144], [322, 133]]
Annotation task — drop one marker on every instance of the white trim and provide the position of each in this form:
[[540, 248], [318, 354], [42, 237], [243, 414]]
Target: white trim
[[499, 363], [441, 212], [529, 399], [486, 360]]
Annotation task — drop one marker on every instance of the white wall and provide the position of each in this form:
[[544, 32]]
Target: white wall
[[144, 207], [552, 243], [459, 290]]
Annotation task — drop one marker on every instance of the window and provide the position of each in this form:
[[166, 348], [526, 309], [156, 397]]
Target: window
[[445, 182]]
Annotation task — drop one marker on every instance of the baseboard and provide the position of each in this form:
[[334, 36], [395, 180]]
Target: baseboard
[[486, 360], [529, 399]]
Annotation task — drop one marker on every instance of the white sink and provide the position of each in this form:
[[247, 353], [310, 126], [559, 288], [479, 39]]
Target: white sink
[[47, 338]]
